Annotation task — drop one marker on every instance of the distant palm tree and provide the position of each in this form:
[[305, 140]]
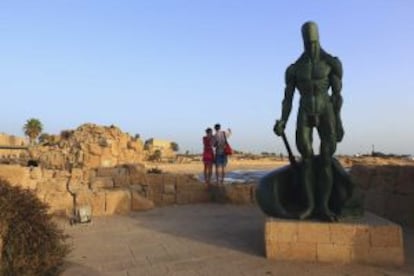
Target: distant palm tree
[[32, 129]]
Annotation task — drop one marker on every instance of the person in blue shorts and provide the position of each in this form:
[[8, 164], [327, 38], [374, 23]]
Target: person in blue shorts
[[220, 138]]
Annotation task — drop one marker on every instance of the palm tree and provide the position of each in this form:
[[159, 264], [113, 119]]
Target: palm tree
[[32, 129]]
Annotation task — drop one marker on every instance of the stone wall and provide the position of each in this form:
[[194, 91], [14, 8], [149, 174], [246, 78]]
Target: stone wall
[[108, 191], [119, 189], [167, 189], [11, 140], [389, 191]]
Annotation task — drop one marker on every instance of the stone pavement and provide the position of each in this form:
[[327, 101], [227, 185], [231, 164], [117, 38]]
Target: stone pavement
[[200, 239]]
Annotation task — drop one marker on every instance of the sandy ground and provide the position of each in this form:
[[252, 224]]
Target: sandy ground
[[196, 167]]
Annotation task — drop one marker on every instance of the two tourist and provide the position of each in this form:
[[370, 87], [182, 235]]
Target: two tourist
[[218, 156]]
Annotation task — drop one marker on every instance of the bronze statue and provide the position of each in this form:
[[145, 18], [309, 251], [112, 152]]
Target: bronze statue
[[318, 180]]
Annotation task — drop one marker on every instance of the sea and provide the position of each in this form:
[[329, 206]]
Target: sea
[[243, 176], [239, 176]]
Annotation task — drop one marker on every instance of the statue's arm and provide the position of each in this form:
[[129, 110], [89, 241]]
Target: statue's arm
[[287, 100], [335, 79], [289, 91]]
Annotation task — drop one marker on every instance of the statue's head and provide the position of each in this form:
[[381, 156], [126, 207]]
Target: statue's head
[[310, 37]]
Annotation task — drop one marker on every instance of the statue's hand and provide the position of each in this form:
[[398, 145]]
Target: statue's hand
[[279, 127], [339, 133], [339, 129]]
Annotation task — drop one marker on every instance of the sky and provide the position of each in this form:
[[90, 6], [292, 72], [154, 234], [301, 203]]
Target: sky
[[169, 69]]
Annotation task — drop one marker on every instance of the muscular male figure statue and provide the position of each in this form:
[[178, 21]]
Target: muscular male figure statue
[[312, 75]]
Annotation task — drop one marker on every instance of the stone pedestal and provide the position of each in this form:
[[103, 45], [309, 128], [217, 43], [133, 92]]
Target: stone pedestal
[[370, 240]]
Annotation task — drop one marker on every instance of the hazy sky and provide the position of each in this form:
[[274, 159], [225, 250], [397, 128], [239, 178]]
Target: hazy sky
[[169, 69]]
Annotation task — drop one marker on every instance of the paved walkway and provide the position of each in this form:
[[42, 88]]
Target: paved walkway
[[202, 239]]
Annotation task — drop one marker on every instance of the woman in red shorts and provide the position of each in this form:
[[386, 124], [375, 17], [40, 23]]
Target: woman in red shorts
[[208, 156]]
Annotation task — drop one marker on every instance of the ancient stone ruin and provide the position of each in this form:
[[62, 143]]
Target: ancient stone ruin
[[88, 147]]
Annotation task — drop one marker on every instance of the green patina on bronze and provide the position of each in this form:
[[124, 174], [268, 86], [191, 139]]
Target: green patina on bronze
[[318, 186]]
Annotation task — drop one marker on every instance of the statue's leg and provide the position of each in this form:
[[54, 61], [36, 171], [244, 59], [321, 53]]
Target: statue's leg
[[327, 136], [304, 145]]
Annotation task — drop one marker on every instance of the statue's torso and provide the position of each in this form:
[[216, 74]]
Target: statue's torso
[[312, 82]]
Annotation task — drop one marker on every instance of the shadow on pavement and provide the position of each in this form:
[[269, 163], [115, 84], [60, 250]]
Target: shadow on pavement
[[200, 239], [235, 227]]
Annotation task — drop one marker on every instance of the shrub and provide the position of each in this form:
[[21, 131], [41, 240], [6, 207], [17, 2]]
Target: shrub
[[154, 171], [66, 134], [174, 146], [155, 156], [44, 138], [32, 242]]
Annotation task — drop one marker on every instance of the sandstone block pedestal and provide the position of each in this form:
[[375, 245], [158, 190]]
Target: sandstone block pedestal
[[370, 240]]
